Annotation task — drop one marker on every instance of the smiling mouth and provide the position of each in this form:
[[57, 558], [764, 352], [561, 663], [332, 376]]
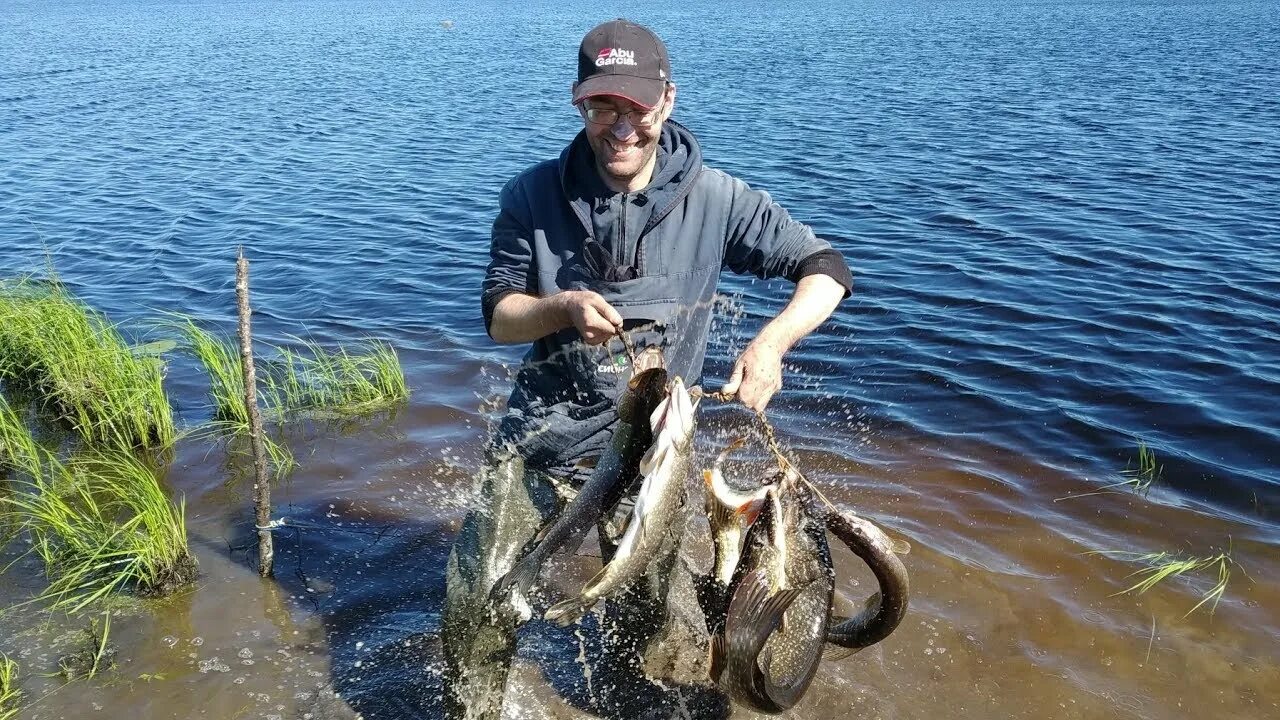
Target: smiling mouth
[[620, 149]]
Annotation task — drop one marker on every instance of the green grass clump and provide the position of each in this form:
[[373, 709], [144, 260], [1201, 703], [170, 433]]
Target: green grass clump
[[221, 359], [102, 523], [337, 382], [313, 381], [18, 450], [1146, 473], [9, 693], [1161, 566], [81, 364]]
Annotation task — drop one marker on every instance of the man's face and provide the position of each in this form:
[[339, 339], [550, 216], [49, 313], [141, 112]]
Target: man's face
[[625, 148]]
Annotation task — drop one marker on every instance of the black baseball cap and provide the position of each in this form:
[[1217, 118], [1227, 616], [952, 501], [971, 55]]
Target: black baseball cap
[[624, 59]]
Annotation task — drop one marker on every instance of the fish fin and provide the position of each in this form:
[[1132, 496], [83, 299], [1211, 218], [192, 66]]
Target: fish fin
[[716, 661], [835, 653], [566, 612], [754, 614], [765, 659], [587, 463], [653, 457], [719, 514], [595, 579], [519, 579], [873, 601], [659, 414], [900, 547], [750, 511], [706, 477]]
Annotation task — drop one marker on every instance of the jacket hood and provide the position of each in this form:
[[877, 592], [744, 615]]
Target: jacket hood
[[679, 162]]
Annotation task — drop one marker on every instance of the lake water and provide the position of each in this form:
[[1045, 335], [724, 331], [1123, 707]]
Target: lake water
[[1062, 222]]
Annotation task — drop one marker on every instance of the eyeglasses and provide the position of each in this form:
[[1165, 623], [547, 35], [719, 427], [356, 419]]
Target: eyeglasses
[[609, 116]]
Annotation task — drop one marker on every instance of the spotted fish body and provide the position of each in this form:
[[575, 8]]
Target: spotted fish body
[[776, 622], [657, 508]]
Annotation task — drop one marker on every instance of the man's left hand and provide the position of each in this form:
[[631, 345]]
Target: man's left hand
[[756, 376]]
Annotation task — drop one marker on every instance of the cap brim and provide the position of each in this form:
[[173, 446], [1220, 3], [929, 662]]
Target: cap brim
[[645, 92]]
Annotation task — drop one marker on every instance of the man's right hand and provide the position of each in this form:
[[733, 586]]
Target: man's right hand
[[587, 311], [520, 318]]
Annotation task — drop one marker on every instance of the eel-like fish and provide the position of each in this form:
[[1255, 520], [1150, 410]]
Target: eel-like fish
[[883, 614]]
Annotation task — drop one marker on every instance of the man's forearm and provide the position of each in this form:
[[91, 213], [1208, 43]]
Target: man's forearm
[[521, 318], [815, 298]]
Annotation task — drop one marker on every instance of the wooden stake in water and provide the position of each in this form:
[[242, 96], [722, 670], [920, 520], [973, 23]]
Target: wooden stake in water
[[261, 485]]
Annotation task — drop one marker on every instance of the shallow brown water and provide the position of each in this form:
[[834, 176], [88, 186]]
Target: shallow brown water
[[1009, 616]]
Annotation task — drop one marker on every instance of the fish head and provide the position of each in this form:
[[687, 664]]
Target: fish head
[[644, 392], [650, 358], [675, 414]]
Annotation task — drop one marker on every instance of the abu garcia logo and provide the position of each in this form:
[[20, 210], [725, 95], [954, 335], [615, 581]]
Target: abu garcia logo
[[615, 56]]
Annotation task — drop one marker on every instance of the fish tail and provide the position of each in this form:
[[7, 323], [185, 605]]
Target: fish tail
[[717, 659], [567, 612], [753, 616], [884, 610], [516, 582]]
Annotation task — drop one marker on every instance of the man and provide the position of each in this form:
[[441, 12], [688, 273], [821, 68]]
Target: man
[[626, 229]]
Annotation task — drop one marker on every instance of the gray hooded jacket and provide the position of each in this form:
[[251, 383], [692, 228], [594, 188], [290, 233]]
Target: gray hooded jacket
[[654, 255]]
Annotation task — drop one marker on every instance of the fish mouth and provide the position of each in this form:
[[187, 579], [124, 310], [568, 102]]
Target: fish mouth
[[675, 414], [742, 504], [649, 359]]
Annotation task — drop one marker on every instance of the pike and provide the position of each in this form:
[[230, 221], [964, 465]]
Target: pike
[[776, 622], [727, 510], [657, 509], [613, 476]]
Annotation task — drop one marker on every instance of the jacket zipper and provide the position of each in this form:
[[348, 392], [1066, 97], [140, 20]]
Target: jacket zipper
[[621, 250]]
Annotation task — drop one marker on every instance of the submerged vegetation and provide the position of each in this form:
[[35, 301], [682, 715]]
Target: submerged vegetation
[[1138, 475], [95, 656], [80, 363], [101, 523], [1161, 566], [1146, 473], [9, 693]]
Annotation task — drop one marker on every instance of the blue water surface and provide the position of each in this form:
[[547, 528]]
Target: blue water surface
[[1061, 216]]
